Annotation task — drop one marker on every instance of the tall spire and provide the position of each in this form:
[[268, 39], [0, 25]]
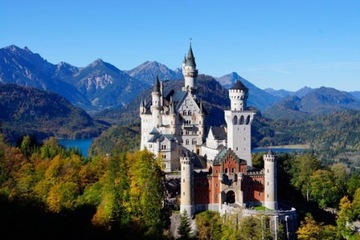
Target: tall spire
[[190, 72], [190, 60], [156, 84]]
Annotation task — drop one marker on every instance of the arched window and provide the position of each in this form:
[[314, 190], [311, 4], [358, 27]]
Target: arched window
[[194, 141], [235, 120], [184, 112], [189, 112], [187, 142], [247, 120], [241, 120]]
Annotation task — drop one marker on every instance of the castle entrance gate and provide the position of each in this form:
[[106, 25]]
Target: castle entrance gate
[[230, 197]]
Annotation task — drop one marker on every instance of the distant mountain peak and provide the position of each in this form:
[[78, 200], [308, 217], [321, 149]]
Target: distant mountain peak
[[98, 61], [147, 71], [229, 80], [12, 48]]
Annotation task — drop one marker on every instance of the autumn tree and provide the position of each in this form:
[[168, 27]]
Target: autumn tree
[[344, 219], [208, 225], [311, 230], [356, 205], [251, 228]]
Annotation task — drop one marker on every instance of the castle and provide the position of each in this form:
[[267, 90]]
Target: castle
[[216, 169]]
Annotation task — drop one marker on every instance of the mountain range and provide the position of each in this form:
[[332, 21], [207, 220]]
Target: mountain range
[[100, 86]]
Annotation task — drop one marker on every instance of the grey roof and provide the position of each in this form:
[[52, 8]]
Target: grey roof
[[161, 137], [224, 153], [171, 137], [156, 84], [154, 138], [190, 60], [239, 85], [220, 155], [270, 152], [154, 131], [219, 133], [178, 96]]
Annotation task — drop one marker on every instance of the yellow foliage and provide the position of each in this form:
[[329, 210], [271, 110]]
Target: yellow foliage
[[309, 229]]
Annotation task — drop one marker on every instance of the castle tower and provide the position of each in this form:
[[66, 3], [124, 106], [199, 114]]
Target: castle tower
[[238, 120], [190, 72], [156, 103], [187, 195], [270, 168]]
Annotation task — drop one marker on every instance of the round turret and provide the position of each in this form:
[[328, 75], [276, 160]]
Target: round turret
[[189, 71], [156, 102], [238, 95], [186, 203], [270, 168]]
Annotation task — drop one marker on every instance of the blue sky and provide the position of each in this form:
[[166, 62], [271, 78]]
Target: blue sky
[[278, 44]]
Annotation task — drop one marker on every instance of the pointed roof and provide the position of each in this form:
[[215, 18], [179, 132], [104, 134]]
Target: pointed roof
[[219, 133], [154, 131], [190, 60], [270, 152], [239, 85], [156, 84]]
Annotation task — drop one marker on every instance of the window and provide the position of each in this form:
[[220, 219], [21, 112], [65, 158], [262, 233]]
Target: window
[[164, 156], [235, 120], [247, 120], [241, 120], [187, 142], [163, 146], [150, 145]]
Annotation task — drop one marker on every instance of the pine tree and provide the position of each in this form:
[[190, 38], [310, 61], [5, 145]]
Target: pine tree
[[184, 229]]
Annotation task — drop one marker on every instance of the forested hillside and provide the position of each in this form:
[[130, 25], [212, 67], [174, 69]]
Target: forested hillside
[[333, 137], [29, 111]]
